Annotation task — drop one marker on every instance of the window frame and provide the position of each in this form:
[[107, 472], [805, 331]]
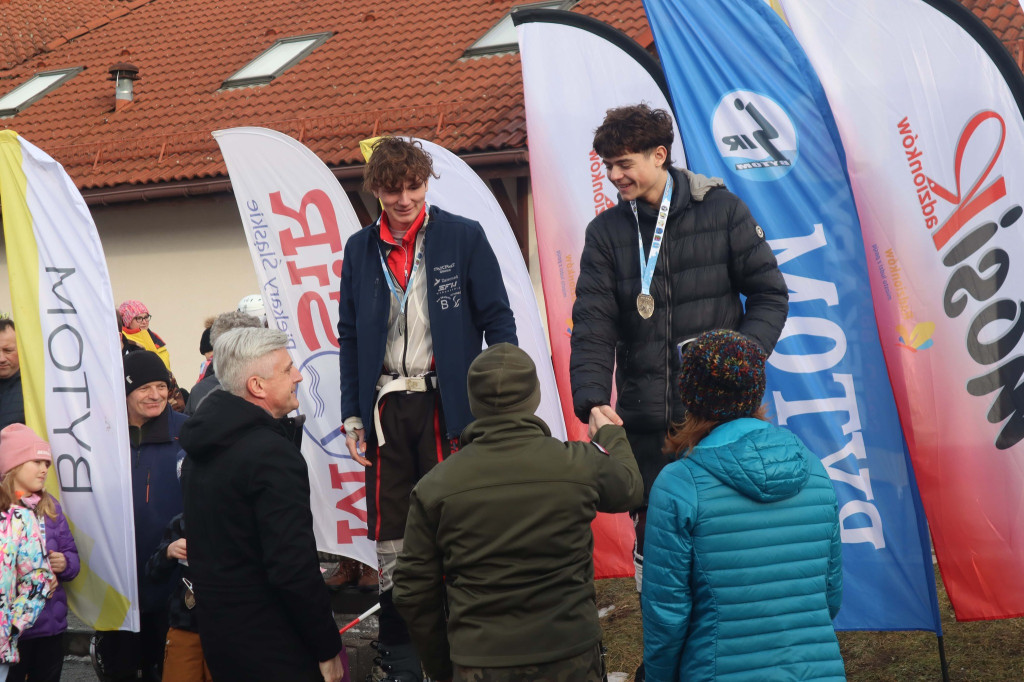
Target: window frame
[[66, 75], [510, 48], [316, 40]]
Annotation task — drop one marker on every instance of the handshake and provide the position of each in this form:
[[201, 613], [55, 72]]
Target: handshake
[[602, 415]]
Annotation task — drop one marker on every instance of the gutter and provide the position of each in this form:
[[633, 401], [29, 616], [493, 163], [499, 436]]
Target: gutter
[[506, 163]]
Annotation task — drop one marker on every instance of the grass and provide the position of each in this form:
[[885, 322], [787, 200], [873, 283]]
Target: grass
[[977, 651]]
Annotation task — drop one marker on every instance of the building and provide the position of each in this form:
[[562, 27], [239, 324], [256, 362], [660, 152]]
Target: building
[[327, 73]]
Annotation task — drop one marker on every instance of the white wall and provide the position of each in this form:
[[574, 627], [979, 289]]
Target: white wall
[[186, 259]]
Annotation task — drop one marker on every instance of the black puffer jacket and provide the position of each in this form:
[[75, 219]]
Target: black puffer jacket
[[712, 252]]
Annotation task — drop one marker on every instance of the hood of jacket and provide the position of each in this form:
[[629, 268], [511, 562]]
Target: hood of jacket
[[700, 185], [756, 458], [688, 186], [504, 428], [224, 419]]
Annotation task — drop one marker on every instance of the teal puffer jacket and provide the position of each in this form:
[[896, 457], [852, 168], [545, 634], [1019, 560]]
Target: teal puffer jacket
[[742, 569]]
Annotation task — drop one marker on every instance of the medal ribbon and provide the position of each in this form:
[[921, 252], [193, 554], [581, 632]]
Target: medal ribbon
[[403, 296], [647, 265]]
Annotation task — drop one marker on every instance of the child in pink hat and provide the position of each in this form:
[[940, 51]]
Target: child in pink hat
[[26, 580], [24, 461]]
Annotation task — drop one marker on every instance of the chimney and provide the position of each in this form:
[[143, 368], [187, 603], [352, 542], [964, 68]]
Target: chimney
[[124, 75]]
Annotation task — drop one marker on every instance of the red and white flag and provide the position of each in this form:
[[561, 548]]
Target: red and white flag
[[297, 219]]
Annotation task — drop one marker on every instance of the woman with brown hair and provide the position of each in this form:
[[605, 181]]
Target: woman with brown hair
[[742, 573]]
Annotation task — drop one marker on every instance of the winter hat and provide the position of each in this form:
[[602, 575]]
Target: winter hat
[[253, 305], [20, 444], [204, 342], [131, 309], [143, 367], [722, 376], [502, 379]]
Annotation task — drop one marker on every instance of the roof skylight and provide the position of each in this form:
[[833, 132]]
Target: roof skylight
[[503, 37], [33, 89], [277, 59]]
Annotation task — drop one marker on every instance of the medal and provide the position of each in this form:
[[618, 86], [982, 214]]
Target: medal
[[645, 305], [645, 302], [190, 597]]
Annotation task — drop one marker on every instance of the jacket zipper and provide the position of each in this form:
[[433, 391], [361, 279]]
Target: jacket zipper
[[668, 333]]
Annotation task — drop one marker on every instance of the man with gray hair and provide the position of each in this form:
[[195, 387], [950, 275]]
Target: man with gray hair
[[264, 610], [223, 323]]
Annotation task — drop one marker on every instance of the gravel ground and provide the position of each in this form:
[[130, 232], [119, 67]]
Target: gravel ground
[[78, 669]]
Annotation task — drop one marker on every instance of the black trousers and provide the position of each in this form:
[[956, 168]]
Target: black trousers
[[125, 654], [42, 659], [647, 446], [414, 442]]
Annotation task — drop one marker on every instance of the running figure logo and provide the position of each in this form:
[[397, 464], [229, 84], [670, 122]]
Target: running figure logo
[[754, 135]]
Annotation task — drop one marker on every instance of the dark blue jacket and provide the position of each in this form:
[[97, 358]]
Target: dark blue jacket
[[12, 406], [472, 305], [156, 494]]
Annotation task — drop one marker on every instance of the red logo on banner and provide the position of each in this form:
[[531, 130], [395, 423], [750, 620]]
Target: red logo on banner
[[312, 307], [977, 198], [995, 331]]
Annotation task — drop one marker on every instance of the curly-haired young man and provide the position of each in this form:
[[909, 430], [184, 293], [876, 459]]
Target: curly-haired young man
[[700, 250], [419, 294]]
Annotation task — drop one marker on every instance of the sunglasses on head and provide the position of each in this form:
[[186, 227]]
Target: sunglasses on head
[[681, 348]]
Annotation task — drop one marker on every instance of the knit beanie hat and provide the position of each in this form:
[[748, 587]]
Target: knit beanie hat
[[131, 309], [20, 444], [501, 380], [204, 342], [142, 367], [722, 376]]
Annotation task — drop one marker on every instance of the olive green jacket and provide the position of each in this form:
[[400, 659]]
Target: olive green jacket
[[504, 526]]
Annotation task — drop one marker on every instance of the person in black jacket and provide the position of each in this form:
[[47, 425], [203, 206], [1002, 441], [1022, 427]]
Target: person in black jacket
[[699, 258], [263, 608], [12, 406], [183, 655]]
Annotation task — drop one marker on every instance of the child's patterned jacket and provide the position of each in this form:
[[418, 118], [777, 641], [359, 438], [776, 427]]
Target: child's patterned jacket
[[25, 577]]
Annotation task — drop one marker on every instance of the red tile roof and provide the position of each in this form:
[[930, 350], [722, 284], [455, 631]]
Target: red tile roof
[[31, 25], [389, 67], [1004, 17]]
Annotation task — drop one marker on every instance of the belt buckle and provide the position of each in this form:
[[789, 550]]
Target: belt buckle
[[416, 384]]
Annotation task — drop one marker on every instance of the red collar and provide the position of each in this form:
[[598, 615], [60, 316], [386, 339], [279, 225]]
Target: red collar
[[410, 234]]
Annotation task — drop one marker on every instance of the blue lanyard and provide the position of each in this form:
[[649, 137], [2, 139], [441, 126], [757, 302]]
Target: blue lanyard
[[647, 265], [403, 296]]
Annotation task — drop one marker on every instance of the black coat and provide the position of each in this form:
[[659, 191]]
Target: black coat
[[264, 610], [170, 571], [713, 251], [12, 405]]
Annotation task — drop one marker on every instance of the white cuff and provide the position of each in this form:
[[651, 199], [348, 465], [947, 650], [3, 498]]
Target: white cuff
[[351, 424]]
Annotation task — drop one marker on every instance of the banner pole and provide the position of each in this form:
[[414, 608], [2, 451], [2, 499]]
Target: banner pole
[[942, 659]]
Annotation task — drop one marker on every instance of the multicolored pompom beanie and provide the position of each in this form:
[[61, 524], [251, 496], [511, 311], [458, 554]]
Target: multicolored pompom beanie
[[722, 376]]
